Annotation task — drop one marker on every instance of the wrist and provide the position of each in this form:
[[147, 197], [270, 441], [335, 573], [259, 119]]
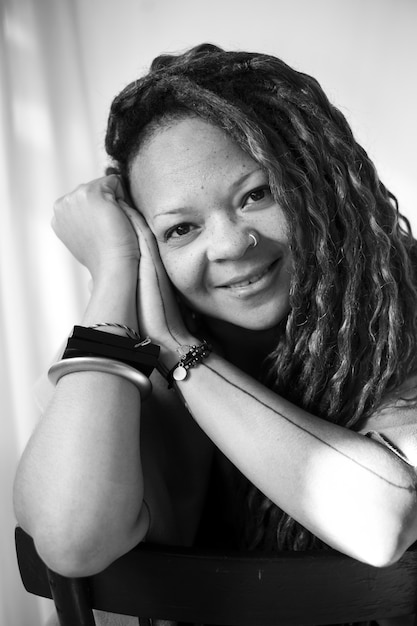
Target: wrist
[[188, 356], [113, 298], [171, 354], [119, 271]]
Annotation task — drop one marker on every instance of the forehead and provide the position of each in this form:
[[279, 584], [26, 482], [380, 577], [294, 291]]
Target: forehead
[[186, 153]]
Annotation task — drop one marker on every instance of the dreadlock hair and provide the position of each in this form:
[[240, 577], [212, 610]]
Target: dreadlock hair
[[351, 333]]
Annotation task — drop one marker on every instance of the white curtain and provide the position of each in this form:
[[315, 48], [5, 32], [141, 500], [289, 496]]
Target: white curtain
[[45, 149], [61, 61]]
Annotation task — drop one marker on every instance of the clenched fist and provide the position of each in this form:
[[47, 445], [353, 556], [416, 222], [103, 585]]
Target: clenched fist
[[92, 222]]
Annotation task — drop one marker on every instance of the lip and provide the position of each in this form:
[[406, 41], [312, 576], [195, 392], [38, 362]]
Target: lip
[[251, 281]]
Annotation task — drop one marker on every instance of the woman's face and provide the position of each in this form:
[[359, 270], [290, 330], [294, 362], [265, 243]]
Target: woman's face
[[202, 195]]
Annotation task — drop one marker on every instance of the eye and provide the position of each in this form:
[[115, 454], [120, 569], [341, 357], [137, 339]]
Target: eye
[[180, 230], [261, 194]]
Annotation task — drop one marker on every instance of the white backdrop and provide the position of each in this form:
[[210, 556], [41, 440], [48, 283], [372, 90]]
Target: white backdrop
[[61, 62]]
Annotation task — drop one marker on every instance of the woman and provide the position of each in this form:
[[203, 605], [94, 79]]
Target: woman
[[241, 213]]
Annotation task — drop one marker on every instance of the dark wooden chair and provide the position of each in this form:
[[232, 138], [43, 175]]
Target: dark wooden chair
[[244, 589]]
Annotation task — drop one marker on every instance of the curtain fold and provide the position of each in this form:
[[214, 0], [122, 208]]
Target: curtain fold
[[46, 148]]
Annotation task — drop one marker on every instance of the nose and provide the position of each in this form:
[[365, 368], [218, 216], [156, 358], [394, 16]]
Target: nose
[[227, 239]]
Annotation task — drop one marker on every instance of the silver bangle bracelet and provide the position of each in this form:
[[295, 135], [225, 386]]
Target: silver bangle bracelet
[[98, 364]]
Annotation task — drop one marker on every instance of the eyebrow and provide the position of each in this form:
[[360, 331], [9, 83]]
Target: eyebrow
[[170, 212], [237, 183]]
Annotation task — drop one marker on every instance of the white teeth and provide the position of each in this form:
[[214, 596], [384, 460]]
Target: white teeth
[[248, 282]]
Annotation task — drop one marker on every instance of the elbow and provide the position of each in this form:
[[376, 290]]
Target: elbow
[[381, 555], [386, 549], [75, 545], [79, 554], [68, 551], [382, 558], [71, 556], [391, 555]]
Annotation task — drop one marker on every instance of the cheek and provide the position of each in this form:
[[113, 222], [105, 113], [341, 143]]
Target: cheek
[[275, 225], [183, 269]]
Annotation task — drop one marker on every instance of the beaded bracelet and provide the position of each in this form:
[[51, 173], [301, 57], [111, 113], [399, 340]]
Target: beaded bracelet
[[191, 356], [97, 364]]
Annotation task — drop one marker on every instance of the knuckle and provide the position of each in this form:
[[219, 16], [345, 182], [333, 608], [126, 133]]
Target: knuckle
[[59, 204], [82, 190]]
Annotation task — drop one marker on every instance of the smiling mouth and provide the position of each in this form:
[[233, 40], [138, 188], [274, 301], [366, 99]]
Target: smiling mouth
[[253, 279]]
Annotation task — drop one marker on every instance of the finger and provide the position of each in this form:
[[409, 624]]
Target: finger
[[132, 216], [143, 232], [113, 185], [136, 218], [147, 242], [151, 261], [121, 192]]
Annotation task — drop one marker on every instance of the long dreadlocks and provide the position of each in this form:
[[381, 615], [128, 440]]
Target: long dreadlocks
[[351, 333]]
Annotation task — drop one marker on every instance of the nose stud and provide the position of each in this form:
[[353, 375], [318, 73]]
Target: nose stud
[[254, 241]]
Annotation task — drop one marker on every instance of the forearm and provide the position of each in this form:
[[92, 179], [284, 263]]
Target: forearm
[[351, 492], [80, 477]]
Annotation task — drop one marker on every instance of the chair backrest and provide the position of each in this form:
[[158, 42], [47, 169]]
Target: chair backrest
[[246, 589]]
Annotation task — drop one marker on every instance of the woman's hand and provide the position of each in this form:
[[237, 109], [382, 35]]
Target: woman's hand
[[92, 223], [158, 311]]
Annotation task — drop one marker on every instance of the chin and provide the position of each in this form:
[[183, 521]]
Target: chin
[[259, 322], [257, 327]]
